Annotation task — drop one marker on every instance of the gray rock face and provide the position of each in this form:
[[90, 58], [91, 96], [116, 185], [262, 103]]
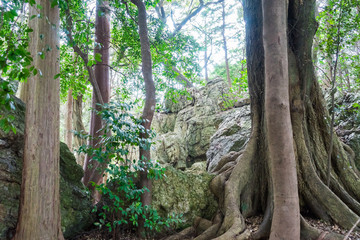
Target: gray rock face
[[184, 135], [202, 129], [232, 135], [185, 192], [75, 203]]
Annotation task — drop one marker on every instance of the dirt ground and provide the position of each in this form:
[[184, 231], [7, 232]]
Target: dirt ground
[[252, 224]]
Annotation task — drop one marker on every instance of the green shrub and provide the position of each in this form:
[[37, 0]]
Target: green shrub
[[121, 134]]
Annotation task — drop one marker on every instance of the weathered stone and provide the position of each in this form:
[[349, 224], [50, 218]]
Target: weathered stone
[[75, 202], [183, 138], [164, 122], [179, 102], [170, 149], [232, 135], [184, 193]]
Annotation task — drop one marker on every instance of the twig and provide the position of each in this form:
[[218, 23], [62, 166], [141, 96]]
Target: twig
[[352, 229]]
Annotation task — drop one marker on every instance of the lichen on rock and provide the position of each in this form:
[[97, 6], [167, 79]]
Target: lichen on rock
[[186, 193]]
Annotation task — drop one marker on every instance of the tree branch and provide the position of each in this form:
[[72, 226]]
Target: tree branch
[[191, 15], [84, 56]]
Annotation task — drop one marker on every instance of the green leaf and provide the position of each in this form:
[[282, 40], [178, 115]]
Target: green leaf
[[54, 3], [57, 76], [98, 57]]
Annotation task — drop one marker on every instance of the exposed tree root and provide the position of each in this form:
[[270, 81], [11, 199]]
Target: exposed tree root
[[187, 233], [244, 186], [309, 232]]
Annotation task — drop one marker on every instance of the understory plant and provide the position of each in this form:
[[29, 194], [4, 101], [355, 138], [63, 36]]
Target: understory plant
[[120, 139]]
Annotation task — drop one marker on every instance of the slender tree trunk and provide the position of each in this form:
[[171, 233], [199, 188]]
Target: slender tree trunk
[[225, 45], [278, 122], [69, 120], [150, 101], [39, 216], [206, 53], [93, 170], [79, 127]]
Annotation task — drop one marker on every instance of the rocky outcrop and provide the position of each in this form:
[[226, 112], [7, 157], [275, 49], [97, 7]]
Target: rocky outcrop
[[185, 192], [75, 202], [186, 127], [232, 135]]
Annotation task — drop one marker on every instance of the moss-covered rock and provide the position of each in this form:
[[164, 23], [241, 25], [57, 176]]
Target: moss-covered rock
[[75, 202], [185, 192]]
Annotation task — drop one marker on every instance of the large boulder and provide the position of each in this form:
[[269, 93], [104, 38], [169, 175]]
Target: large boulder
[[185, 192], [232, 135], [185, 128], [75, 202]]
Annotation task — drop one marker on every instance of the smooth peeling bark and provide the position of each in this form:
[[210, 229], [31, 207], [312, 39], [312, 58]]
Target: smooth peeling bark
[[93, 170], [150, 101], [278, 122], [39, 213]]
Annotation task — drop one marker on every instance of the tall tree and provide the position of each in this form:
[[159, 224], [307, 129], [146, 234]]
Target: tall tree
[[39, 216], [244, 184], [150, 100], [223, 27], [93, 170], [278, 123]]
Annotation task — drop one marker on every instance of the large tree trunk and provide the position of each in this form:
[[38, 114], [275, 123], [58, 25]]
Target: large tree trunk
[[278, 123], [244, 186], [93, 170], [150, 101], [39, 216]]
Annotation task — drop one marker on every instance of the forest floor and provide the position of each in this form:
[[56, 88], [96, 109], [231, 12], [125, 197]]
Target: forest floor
[[252, 224]]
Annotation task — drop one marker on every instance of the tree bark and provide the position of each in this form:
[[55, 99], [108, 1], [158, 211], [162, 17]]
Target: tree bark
[[39, 215], [69, 120], [278, 123], [79, 127], [150, 102], [93, 170], [246, 189]]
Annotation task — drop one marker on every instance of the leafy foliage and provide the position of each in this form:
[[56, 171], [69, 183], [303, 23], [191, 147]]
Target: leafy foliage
[[121, 136], [339, 31], [15, 60], [73, 74]]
